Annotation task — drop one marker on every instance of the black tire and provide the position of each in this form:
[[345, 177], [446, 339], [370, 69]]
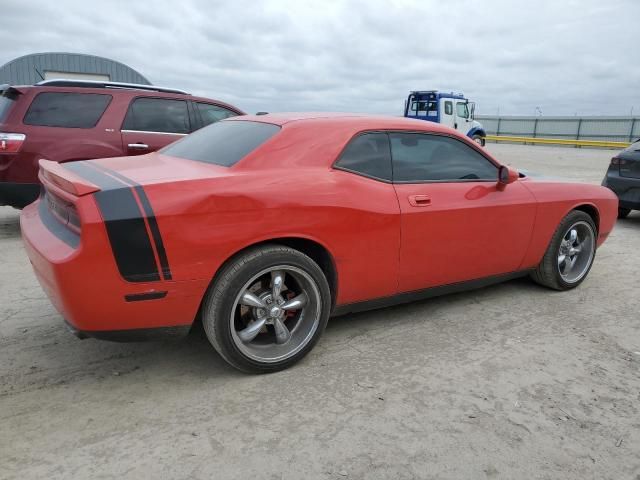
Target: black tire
[[220, 304], [479, 139], [623, 212], [548, 271]]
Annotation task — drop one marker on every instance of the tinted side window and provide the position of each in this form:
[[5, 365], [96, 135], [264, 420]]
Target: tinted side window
[[213, 113], [157, 115], [448, 108], [67, 110], [419, 158], [369, 155], [222, 143]]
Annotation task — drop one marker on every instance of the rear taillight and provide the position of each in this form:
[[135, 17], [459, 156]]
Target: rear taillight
[[615, 161], [11, 142]]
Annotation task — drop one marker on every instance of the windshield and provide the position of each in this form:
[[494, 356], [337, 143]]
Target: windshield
[[223, 143]]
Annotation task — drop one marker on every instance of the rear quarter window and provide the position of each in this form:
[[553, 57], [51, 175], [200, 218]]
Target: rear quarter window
[[369, 155], [222, 143], [67, 110]]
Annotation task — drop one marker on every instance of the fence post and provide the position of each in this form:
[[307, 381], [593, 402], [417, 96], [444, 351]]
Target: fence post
[[498, 127], [579, 127], [633, 124], [535, 127], [578, 132]]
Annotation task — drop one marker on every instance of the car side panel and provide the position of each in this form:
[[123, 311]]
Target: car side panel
[[555, 201], [355, 218]]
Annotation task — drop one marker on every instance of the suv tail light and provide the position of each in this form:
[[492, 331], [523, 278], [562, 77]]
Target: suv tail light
[[11, 142]]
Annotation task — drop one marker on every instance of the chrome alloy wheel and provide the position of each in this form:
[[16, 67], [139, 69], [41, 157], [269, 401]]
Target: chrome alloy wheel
[[576, 252], [276, 314]]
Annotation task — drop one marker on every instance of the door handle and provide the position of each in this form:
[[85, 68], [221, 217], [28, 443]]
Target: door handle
[[419, 200], [138, 146]]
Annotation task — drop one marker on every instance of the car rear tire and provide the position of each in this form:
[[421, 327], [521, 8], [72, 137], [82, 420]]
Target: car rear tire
[[267, 308], [479, 139], [623, 212], [570, 254]]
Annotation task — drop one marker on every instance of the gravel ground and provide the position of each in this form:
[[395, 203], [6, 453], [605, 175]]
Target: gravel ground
[[511, 381]]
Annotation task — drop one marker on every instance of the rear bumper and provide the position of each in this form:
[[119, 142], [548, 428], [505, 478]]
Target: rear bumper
[[85, 286], [18, 195], [626, 188]]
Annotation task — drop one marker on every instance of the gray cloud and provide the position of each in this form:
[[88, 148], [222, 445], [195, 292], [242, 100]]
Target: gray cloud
[[286, 55]]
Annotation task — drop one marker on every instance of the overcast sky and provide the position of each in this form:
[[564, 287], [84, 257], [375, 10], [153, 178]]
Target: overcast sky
[[565, 57]]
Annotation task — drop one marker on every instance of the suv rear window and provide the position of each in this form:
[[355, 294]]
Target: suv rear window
[[6, 102], [67, 110], [222, 143]]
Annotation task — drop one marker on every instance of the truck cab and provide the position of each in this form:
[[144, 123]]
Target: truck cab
[[451, 109]]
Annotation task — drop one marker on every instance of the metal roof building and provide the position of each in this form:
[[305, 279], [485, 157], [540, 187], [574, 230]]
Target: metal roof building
[[30, 69]]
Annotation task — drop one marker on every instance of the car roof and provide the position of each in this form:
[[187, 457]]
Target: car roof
[[352, 121]]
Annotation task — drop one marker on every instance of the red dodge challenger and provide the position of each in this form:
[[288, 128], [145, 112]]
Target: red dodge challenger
[[264, 226]]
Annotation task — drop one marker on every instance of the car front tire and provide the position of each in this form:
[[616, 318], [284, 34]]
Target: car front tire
[[267, 308], [570, 254]]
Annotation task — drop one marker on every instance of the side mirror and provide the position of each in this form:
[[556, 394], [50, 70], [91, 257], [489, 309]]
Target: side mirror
[[507, 175]]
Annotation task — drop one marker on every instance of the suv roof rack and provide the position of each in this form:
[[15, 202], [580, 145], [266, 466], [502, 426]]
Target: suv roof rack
[[99, 84]]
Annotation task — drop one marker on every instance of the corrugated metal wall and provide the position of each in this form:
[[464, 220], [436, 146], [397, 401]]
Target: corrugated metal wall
[[616, 129], [24, 70]]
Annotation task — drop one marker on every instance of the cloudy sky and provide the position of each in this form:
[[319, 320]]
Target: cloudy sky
[[565, 57]]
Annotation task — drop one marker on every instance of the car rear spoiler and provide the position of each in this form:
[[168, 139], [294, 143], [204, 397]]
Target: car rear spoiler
[[6, 89], [64, 179]]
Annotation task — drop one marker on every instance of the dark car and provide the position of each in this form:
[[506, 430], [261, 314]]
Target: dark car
[[67, 120], [623, 177]]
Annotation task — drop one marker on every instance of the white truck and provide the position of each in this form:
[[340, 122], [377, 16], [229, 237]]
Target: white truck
[[451, 109]]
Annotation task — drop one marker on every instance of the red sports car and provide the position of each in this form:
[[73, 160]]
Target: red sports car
[[264, 226]]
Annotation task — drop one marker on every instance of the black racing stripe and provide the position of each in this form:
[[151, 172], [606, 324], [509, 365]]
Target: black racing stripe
[[126, 229], [83, 170], [128, 235], [151, 218], [155, 232]]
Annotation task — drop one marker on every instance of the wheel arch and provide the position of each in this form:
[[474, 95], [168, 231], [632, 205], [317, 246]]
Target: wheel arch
[[315, 250], [592, 211], [476, 131]]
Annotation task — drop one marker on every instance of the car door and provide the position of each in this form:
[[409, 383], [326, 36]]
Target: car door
[[152, 123], [457, 224], [446, 113]]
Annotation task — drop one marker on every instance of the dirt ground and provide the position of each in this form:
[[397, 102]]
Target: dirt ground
[[511, 381]]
